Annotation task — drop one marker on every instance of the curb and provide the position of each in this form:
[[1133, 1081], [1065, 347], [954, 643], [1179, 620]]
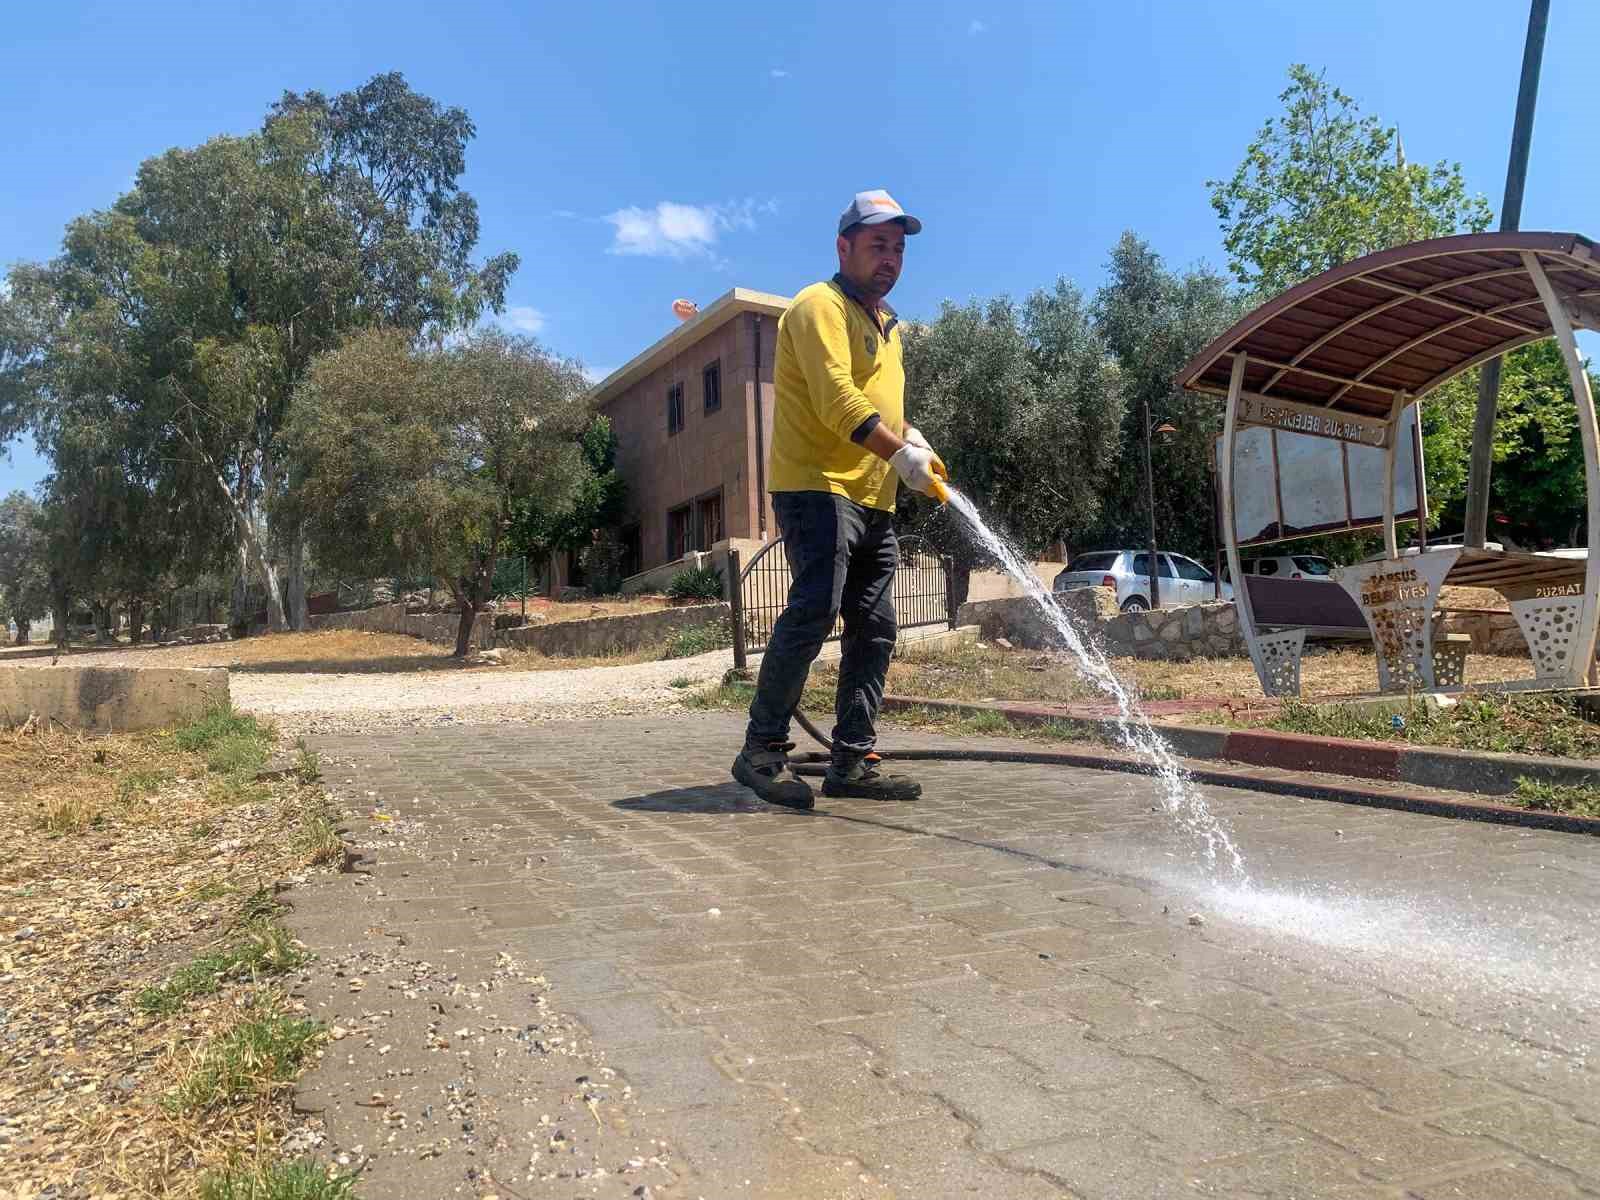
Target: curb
[[1484, 774]]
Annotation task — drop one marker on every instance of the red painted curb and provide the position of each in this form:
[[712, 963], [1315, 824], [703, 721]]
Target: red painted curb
[[1327, 756]]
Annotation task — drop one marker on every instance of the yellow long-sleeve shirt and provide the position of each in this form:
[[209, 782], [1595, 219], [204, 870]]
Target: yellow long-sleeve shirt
[[834, 370]]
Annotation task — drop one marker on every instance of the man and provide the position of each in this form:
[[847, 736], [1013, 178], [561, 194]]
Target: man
[[839, 445]]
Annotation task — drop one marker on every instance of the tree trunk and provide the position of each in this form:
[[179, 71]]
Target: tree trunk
[[239, 603], [136, 621], [295, 592], [102, 622], [24, 631]]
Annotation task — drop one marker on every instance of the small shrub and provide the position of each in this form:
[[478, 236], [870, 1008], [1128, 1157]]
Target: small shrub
[[682, 681], [700, 639], [734, 695], [302, 1179], [697, 583]]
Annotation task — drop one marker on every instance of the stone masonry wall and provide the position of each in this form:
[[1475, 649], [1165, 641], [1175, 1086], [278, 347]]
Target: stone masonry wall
[[1179, 634], [561, 639], [393, 618], [611, 635]]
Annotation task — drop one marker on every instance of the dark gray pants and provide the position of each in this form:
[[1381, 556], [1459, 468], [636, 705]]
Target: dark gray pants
[[842, 559]]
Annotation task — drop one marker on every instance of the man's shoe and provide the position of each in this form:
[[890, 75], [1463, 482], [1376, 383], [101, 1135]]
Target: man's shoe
[[862, 780], [765, 771]]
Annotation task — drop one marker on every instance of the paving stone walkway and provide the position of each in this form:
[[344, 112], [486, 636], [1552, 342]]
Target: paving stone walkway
[[582, 962]]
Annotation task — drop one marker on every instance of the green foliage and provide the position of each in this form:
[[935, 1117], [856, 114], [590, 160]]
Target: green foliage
[[696, 583], [427, 452], [256, 1056], [265, 949], [307, 764], [700, 639], [1153, 320], [233, 743], [1322, 184], [24, 567], [546, 522], [155, 357], [1508, 724], [1025, 405], [302, 1179], [1557, 797]]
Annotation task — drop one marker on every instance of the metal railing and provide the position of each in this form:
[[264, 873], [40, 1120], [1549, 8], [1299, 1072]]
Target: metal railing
[[922, 594]]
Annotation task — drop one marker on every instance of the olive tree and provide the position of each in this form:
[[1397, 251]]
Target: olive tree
[[413, 459]]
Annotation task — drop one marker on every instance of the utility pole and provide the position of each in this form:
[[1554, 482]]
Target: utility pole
[[1478, 478], [1150, 500]]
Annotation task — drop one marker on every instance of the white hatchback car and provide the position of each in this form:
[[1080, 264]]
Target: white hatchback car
[[1182, 580], [1290, 566]]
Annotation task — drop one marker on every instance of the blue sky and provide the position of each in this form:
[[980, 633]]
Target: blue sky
[[633, 153]]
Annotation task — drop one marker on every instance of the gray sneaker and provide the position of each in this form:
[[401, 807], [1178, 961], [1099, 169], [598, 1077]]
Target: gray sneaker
[[765, 771], [862, 780]]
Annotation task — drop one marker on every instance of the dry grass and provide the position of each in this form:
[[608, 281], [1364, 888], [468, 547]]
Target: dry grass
[[163, 895], [352, 652], [555, 612], [970, 673]]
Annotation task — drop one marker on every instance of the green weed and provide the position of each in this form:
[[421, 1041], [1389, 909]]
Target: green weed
[[682, 681], [141, 783], [254, 1057], [302, 1179], [264, 950], [307, 764], [1557, 797], [1504, 724], [700, 639]]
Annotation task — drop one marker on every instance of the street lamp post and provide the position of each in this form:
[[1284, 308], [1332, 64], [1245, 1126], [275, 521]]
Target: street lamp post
[[1150, 497]]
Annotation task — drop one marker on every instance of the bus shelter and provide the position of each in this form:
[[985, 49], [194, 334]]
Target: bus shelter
[[1346, 356]]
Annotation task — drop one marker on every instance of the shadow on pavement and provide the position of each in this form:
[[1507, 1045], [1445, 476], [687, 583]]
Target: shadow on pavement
[[721, 798], [734, 800]]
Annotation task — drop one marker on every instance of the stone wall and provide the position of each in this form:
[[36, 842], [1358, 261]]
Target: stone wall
[[393, 618], [1195, 631], [561, 639], [110, 699], [611, 635], [1492, 631]]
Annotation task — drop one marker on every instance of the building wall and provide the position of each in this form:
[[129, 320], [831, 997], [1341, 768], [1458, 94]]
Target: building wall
[[713, 452]]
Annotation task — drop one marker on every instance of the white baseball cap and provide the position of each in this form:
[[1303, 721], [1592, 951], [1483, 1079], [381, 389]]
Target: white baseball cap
[[874, 208]]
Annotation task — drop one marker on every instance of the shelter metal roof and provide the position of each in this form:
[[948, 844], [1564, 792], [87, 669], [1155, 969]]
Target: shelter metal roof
[[1404, 319]]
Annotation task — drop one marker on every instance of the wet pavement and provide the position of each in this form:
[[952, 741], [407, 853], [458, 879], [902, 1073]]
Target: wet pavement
[[582, 962]]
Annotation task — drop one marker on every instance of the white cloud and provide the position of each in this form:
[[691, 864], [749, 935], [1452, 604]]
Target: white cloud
[[975, 27], [778, 73], [673, 230], [596, 374], [524, 319]]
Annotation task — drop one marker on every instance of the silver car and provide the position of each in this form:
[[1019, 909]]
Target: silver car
[[1181, 580]]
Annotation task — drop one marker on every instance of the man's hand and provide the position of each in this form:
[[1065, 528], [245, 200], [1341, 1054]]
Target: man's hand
[[914, 436], [919, 467]]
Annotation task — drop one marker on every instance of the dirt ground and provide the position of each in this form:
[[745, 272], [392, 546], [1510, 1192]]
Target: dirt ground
[[330, 651]]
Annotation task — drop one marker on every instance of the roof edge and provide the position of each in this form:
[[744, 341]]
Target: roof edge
[[730, 303], [1460, 243]]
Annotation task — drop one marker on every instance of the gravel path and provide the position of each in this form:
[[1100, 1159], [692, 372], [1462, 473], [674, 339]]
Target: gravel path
[[316, 703], [300, 702]]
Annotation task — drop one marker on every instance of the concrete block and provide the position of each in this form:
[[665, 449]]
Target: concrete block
[[110, 699]]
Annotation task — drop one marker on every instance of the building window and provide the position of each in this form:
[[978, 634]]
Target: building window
[[713, 386], [679, 533], [675, 408], [632, 551], [709, 514]]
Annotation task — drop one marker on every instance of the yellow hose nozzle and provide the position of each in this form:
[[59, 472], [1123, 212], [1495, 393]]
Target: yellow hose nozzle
[[940, 492]]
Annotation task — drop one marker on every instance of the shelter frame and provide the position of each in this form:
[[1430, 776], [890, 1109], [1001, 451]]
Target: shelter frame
[[1342, 356]]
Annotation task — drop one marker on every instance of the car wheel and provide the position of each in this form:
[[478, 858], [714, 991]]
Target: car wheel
[[1136, 604]]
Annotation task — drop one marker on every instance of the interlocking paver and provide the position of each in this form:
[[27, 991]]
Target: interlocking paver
[[992, 992]]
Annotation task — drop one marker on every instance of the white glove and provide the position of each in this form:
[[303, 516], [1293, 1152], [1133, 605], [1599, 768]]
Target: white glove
[[914, 436], [919, 468]]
